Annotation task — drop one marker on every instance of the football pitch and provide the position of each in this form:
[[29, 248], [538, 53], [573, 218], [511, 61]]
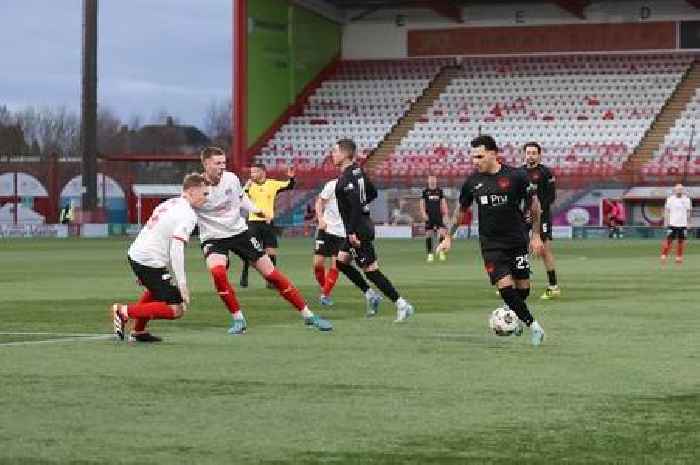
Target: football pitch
[[617, 379]]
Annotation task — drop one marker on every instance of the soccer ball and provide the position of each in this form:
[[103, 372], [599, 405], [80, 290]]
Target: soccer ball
[[504, 322]]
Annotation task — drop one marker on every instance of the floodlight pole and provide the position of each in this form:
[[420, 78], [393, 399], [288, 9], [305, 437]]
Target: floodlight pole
[[88, 116]]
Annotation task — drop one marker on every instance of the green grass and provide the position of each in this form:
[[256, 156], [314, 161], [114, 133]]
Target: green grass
[[617, 380]]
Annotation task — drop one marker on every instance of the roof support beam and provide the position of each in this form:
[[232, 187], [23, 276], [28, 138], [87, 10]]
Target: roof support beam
[[444, 8], [575, 7]]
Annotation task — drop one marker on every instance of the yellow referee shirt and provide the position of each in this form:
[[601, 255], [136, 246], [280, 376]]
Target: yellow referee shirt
[[264, 195]]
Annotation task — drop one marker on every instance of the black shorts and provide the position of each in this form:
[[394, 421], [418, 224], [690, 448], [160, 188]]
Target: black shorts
[[433, 224], [244, 245], [676, 232], [264, 232], [157, 281], [364, 255], [503, 262], [327, 245], [546, 231]]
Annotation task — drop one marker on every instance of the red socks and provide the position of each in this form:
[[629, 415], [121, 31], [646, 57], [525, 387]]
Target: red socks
[[665, 246], [140, 324], [320, 274], [151, 311], [224, 289], [286, 289], [331, 279], [679, 249]]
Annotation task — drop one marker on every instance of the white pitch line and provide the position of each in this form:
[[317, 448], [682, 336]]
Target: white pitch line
[[23, 333], [65, 339]]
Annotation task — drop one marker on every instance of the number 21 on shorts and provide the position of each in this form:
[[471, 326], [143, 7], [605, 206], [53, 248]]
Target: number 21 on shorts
[[522, 262]]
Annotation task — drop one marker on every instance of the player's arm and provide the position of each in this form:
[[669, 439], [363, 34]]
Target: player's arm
[[466, 197], [551, 189], [370, 190], [535, 209], [177, 263], [689, 211], [667, 214], [320, 207], [422, 209], [177, 255], [289, 183], [444, 209]]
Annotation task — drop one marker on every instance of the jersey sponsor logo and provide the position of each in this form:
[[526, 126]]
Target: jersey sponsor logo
[[484, 199], [503, 183], [535, 176], [357, 171], [499, 199], [349, 187], [478, 186]]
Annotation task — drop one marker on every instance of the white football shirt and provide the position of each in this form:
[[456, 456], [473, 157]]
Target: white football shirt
[[331, 215], [220, 217], [678, 208], [172, 219]]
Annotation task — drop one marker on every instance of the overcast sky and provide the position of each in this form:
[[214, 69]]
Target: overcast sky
[[154, 55]]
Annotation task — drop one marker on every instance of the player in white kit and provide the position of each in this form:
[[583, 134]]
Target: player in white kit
[[159, 246], [329, 239], [222, 229], [676, 219]]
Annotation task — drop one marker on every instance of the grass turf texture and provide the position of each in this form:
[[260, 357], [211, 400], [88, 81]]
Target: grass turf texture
[[616, 381]]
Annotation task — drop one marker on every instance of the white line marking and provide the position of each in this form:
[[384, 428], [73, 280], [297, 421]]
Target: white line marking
[[10, 333], [65, 339]]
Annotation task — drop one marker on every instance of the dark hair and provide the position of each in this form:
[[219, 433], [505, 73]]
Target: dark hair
[[193, 180], [533, 144], [258, 165], [487, 141], [347, 146], [208, 152]]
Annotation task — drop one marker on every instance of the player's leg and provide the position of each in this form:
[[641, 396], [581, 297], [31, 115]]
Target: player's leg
[[680, 245], [139, 328], [326, 280], [331, 280], [441, 232], [367, 259], [216, 257], [344, 264], [269, 242], [249, 248], [429, 231], [552, 291], [319, 269], [503, 266], [667, 242], [163, 303]]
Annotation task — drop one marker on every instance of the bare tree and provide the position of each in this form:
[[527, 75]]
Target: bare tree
[[217, 122]]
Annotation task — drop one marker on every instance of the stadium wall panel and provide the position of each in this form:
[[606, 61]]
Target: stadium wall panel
[[288, 46]]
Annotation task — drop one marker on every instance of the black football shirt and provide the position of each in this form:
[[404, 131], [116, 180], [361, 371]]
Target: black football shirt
[[432, 199], [501, 200]]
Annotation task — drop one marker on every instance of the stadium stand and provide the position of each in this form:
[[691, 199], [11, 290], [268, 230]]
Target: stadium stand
[[588, 111], [678, 153], [363, 100]]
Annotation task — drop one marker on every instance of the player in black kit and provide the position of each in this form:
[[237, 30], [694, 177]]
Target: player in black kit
[[543, 178], [433, 206], [354, 192], [502, 193]]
